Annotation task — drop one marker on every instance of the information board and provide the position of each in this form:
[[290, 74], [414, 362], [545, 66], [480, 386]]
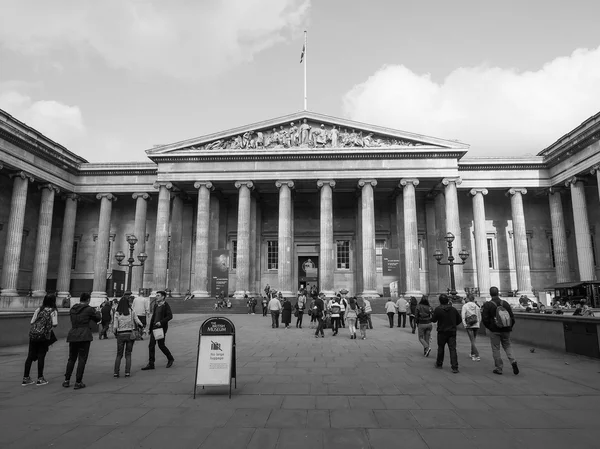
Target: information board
[[214, 360]]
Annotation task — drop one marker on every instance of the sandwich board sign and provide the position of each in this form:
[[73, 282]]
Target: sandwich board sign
[[215, 364]]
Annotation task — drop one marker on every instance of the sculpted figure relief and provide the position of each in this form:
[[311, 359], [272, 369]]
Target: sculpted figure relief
[[304, 132]]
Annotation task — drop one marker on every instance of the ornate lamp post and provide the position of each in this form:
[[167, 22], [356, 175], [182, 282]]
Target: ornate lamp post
[[463, 254], [132, 240]]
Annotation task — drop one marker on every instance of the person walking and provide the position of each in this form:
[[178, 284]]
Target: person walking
[[317, 313], [313, 317], [401, 306], [335, 311], [41, 336], [447, 318], [497, 316], [286, 313], [413, 308], [368, 310], [275, 309], [351, 317], [125, 322], [390, 309], [106, 317], [141, 308], [161, 315], [265, 304], [363, 321], [343, 302], [300, 307], [80, 338], [471, 319], [423, 315]]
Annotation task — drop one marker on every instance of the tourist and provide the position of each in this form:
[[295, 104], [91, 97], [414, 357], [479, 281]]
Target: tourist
[[79, 339], [390, 309], [268, 291], [401, 307], [300, 307], [423, 315], [497, 316], [366, 304], [413, 309], [275, 309], [286, 313], [351, 316], [125, 323], [254, 302], [363, 322], [335, 311], [161, 315], [141, 308], [471, 319], [248, 303], [106, 318], [317, 312], [313, 316], [447, 318], [264, 303], [41, 336], [587, 310], [343, 302]]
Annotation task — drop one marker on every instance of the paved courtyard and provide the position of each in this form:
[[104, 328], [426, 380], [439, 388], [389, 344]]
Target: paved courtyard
[[295, 391]]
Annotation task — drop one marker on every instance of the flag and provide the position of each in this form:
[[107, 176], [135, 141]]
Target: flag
[[302, 55]]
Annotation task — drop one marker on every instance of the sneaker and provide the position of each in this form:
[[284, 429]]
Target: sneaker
[[455, 370], [147, 367], [79, 386], [477, 358], [27, 381], [515, 368], [438, 366], [497, 371], [427, 352], [41, 381], [116, 375], [170, 363], [127, 375], [316, 336], [66, 384]]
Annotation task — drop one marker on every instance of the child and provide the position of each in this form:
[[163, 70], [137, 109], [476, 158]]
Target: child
[[363, 320]]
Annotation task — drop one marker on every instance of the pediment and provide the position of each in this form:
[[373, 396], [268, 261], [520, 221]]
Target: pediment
[[304, 131]]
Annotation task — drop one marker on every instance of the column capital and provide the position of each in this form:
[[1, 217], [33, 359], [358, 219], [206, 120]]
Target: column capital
[[108, 196], [476, 191], [207, 184], [71, 196], [406, 181], [364, 182], [49, 187], [159, 184], [514, 191], [573, 180], [248, 184], [553, 190], [144, 195], [593, 170], [322, 182], [456, 180], [22, 175], [285, 182]]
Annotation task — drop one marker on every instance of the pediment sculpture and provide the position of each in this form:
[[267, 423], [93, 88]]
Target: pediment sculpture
[[304, 135]]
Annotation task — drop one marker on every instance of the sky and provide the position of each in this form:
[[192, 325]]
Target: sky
[[112, 79]]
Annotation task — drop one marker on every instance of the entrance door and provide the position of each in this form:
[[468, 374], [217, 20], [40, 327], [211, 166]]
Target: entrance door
[[308, 272]]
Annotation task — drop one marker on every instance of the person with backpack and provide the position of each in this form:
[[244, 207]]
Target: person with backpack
[[447, 318], [423, 315], [106, 313], [366, 304], [363, 322], [471, 317], [497, 316], [411, 316], [335, 313], [351, 316], [41, 336]]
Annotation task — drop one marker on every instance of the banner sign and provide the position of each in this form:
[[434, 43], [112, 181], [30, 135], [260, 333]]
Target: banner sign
[[391, 272], [219, 272]]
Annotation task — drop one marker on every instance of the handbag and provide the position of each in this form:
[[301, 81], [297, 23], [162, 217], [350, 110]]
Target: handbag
[[135, 333], [158, 333], [52, 338]]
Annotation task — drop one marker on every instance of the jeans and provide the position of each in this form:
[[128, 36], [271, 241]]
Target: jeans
[[104, 328], [78, 351], [403, 316], [37, 351], [124, 342], [161, 345], [363, 330], [443, 339], [472, 333], [335, 324], [342, 322], [425, 334], [391, 318], [299, 318], [413, 322], [274, 318], [319, 325], [265, 310], [369, 319], [497, 339], [352, 325]]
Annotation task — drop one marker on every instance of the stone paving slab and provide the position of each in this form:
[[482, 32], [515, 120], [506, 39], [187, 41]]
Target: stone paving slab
[[296, 391]]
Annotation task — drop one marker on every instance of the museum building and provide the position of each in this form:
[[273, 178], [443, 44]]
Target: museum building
[[304, 199]]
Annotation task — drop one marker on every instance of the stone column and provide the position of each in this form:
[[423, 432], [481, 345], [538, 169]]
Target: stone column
[[139, 230], [285, 240], [369, 265], [213, 232], [401, 245], [63, 283], [102, 246], [443, 271], [161, 238], [583, 237], [175, 252], [326, 244], [481, 249], [203, 225], [14, 235], [453, 226], [42, 242], [243, 238], [432, 278], [411, 238], [559, 236], [596, 171], [520, 242], [254, 248]]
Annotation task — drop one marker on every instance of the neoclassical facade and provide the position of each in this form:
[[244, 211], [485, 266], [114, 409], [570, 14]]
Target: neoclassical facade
[[301, 199]]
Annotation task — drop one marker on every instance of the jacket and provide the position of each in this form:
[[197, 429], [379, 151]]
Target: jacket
[[423, 314], [401, 305], [124, 323], [106, 311], [470, 308], [81, 315], [390, 307], [488, 315], [161, 314], [367, 306], [446, 317]]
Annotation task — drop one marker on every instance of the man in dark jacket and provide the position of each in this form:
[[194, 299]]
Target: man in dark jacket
[[499, 335], [106, 312], [317, 311], [447, 318], [161, 315], [79, 339]]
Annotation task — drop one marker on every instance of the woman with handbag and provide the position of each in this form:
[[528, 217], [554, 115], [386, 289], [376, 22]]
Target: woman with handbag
[[125, 327], [41, 336]]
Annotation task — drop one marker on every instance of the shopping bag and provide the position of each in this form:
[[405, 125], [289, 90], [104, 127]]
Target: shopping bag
[[158, 334]]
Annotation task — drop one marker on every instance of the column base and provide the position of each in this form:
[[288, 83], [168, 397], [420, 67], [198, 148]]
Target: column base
[[63, 294], [239, 294], [201, 294], [287, 294], [38, 293], [9, 292], [369, 294], [416, 293], [97, 298]]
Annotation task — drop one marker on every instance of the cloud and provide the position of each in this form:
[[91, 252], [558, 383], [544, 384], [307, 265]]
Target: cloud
[[180, 38], [498, 111]]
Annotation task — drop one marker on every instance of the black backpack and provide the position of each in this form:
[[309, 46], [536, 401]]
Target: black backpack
[[41, 327]]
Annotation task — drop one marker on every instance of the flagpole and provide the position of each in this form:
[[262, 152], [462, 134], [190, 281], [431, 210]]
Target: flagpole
[[305, 55]]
